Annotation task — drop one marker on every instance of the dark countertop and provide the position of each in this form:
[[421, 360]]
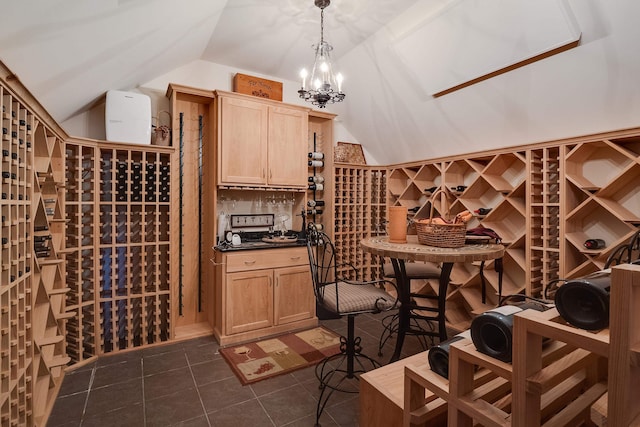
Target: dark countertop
[[258, 245], [255, 242]]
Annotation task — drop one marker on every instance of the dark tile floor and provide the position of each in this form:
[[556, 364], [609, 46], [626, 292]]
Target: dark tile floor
[[189, 384]]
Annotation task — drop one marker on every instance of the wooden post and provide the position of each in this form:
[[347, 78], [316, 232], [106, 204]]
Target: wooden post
[[624, 369]]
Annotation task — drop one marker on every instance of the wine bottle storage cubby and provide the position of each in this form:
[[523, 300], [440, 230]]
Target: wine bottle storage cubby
[[493, 185], [544, 201], [118, 243], [49, 317], [81, 235], [360, 211], [601, 199], [32, 285]]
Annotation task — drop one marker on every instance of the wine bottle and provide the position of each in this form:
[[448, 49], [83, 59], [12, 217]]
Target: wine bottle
[[316, 187], [316, 163], [482, 211], [439, 355], [314, 211], [318, 179], [314, 203], [492, 331], [584, 302], [594, 244], [316, 155]]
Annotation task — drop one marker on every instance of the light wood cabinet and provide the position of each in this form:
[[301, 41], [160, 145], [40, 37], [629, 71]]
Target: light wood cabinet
[[249, 301], [261, 143], [261, 293], [293, 295], [287, 148]]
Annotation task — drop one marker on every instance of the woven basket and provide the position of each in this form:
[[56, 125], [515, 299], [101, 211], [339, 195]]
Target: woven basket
[[440, 235]]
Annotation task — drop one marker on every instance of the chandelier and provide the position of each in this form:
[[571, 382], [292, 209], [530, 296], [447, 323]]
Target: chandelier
[[324, 87]]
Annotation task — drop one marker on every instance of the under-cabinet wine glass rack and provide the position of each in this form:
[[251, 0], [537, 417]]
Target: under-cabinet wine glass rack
[[118, 243]]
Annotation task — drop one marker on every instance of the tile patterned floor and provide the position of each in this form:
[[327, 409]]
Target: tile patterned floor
[[189, 384]]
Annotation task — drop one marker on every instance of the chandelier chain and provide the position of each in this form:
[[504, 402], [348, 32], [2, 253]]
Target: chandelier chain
[[321, 26]]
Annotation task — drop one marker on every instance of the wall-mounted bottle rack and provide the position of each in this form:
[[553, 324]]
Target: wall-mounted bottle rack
[[320, 144]]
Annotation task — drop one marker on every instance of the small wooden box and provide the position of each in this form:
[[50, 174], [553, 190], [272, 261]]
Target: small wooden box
[[256, 86]]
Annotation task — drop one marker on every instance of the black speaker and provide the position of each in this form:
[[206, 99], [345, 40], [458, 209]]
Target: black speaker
[[439, 355], [492, 331], [584, 302]]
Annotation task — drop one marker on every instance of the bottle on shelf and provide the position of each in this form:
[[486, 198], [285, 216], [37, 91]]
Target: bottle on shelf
[[314, 211], [314, 203], [316, 187], [316, 155], [482, 211], [430, 189], [594, 244], [318, 179], [316, 163]]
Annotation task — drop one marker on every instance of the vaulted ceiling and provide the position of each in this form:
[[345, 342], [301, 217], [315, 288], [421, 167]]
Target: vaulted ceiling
[[68, 53]]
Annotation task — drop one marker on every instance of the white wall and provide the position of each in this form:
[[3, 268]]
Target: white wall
[[199, 74], [592, 88]]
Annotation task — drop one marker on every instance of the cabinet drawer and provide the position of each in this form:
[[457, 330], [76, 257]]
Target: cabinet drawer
[[268, 258]]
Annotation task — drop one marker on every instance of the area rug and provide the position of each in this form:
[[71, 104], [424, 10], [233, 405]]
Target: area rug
[[259, 360]]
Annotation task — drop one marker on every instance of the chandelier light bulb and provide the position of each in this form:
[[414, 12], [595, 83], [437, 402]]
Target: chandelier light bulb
[[303, 76], [339, 79], [317, 84]]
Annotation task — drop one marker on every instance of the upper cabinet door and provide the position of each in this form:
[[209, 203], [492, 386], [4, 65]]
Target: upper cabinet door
[[242, 142], [287, 147]]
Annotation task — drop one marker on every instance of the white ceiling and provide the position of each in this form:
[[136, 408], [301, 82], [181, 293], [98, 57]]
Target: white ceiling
[[68, 53]]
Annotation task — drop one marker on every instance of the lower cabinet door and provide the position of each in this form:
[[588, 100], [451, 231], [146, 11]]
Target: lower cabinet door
[[249, 301], [293, 295]]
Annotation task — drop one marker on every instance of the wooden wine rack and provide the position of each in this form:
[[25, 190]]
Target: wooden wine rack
[[321, 140], [32, 287], [16, 278], [360, 211], [545, 199], [118, 244], [543, 217]]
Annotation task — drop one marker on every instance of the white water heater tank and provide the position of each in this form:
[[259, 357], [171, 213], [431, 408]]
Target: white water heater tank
[[128, 117]]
